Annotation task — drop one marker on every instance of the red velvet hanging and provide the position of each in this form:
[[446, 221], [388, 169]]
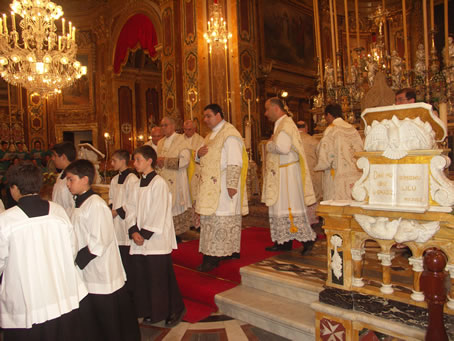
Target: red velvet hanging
[[138, 30]]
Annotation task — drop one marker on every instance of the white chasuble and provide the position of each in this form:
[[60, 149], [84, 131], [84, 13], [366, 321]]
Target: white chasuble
[[336, 158]]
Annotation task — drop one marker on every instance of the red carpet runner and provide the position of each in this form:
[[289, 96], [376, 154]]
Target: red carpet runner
[[198, 289]]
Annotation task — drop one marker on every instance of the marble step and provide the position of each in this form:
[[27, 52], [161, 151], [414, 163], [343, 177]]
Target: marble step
[[287, 318], [280, 284]]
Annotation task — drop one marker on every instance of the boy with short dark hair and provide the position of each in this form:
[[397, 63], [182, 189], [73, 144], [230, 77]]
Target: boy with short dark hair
[[156, 293], [41, 292], [63, 154], [99, 258], [121, 195]]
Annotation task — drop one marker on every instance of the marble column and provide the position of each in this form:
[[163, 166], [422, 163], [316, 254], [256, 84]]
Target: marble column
[[418, 268], [357, 257], [386, 259]]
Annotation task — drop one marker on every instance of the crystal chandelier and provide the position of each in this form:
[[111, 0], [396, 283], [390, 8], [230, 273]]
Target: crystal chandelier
[[217, 32], [32, 55]]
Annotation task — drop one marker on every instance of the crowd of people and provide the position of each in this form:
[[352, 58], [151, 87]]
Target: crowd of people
[[77, 268]]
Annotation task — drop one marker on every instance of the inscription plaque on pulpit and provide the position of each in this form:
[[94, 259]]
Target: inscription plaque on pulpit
[[402, 167]]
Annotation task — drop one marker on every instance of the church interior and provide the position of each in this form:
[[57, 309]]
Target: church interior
[[125, 65]]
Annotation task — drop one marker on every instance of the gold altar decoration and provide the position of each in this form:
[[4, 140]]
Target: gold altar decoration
[[32, 54], [347, 81]]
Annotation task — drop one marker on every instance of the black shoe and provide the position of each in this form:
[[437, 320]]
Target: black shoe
[[209, 263], [175, 318], [307, 246], [235, 255], [287, 246], [179, 240], [147, 320]]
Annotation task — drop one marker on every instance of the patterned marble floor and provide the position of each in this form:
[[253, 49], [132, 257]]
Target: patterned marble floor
[[214, 328]]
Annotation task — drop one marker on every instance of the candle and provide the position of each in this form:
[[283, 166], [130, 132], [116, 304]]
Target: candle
[[347, 34], [74, 34], [446, 33], [63, 25], [357, 23], [336, 31], [1, 26], [249, 109], [333, 44], [431, 15], [385, 25], [70, 28], [317, 39], [5, 28], [13, 19], [426, 36], [444, 114], [404, 16]]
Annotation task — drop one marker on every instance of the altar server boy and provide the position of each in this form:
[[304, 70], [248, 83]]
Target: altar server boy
[[156, 293], [42, 293], [63, 154], [99, 259], [121, 195]]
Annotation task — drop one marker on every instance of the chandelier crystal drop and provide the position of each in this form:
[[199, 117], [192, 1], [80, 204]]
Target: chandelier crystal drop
[[33, 55]]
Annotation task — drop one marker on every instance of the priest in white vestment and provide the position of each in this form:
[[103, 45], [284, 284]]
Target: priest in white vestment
[[336, 155], [174, 157], [194, 141], [156, 135], [222, 189], [310, 145], [287, 185]]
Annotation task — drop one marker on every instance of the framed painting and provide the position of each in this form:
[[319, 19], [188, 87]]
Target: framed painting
[[79, 96], [288, 35]]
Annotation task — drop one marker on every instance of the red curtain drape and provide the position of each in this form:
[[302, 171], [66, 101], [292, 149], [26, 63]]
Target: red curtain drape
[[138, 30]]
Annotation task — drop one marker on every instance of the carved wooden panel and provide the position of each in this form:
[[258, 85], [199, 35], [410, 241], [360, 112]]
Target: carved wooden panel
[[125, 111]]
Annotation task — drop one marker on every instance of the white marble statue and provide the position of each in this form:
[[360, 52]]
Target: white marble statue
[[450, 61], [400, 230], [354, 74], [329, 74], [372, 68], [396, 137], [396, 70], [420, 64]]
